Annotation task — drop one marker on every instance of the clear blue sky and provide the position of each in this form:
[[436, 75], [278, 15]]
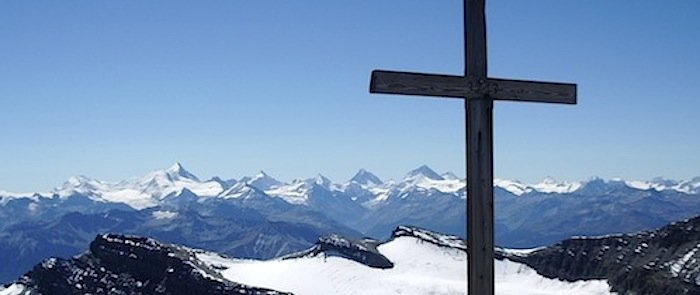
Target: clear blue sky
[[113, 89]]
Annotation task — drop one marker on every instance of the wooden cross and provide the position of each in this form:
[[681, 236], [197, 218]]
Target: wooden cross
[[478, 91]]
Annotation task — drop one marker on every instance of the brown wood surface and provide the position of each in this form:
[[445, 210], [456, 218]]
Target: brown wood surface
[[391, 82], [480, 234], [532, 91], [475, 38], [479, 92], [479, 113]]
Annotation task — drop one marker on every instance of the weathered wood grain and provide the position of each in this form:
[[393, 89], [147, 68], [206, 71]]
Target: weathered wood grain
[[478, 93], [479, 140], [532, 91], [391, 82], [480, 231]]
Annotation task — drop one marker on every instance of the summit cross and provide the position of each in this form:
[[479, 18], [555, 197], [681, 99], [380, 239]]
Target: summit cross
[[478, 92]]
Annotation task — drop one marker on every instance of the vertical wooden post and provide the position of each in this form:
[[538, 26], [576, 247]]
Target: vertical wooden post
[[479, 127], [478, 92]]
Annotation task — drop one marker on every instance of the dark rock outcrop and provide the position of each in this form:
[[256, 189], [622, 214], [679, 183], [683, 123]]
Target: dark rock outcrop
[[442, 240], [365, 250], [361, 250], [117, 264], [663, 262]]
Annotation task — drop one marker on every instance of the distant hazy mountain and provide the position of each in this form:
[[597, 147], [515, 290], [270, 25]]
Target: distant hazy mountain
[[142, 192], [364, 177]]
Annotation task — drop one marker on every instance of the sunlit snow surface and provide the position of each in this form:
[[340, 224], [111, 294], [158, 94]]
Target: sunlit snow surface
[[548, 185], [143, 192], [420, 268], [14, 289]]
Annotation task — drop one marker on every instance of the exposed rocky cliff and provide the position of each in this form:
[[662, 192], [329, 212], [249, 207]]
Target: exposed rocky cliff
[[663, 261], [117, 264]]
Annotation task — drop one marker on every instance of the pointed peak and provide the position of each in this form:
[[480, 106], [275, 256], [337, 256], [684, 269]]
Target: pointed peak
[[365, 177], [177, 171], [363, 171], [321, 177], [79, 182], [424, 171], [262, 181], [322, 180], [261, 174], [176, 167], [185, 192]]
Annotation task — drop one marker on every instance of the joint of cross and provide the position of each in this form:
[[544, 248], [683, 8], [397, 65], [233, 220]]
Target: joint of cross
[[482, 87]]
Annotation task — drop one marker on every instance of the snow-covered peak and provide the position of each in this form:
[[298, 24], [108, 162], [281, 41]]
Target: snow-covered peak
[[443, 185], [78, 184], [140, 192], [242, 190], [295, 193], [551, 185], [449, 176], [76, 181], [691, 186], [423, 172], [513, 186], [174, 173], [548, 185], [299, 191], [264, 182], [655, 184], [366, 178], [321, 181], [6, 196], [177, 171], [423, 181]]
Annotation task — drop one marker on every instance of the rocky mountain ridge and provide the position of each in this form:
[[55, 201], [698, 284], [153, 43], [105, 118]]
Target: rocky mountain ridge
[[117, 264], [662, 261]]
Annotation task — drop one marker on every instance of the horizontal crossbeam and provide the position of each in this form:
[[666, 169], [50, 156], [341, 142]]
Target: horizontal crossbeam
[[390, 82]]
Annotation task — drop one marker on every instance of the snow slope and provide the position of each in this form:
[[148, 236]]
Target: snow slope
[[14, 289], [548, 185], [419, 268]]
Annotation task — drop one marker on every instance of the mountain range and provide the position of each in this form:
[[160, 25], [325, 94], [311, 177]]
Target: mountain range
[[149, 190], [261, 217]]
